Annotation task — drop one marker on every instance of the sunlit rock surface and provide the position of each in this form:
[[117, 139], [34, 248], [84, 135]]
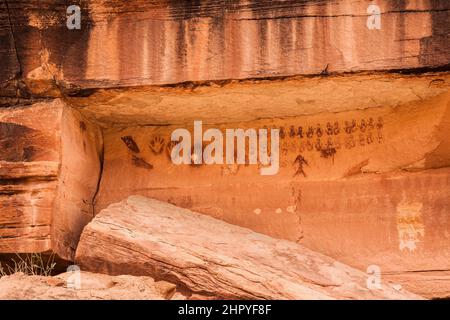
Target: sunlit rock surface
[[86, 117]]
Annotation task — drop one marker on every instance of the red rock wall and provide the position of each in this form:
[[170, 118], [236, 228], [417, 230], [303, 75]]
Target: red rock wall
[[380, 198], [29, 165], [80, 171], [125, 43], [49, 172]]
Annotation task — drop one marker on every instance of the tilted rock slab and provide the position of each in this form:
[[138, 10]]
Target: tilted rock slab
[[142, 236]]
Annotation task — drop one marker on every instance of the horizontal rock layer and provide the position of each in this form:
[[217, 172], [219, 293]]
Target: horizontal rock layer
[[239, 101], [129, 43], [29, 167], [49, 171]]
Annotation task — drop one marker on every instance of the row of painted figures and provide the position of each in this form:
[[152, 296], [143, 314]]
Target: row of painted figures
[[349, 142], [317, 138], [330, 129]]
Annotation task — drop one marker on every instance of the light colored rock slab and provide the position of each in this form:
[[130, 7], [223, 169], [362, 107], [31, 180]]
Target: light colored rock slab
[[142, 236]]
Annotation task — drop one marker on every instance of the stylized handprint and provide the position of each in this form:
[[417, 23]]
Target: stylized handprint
[[169, 146], [157, 144]]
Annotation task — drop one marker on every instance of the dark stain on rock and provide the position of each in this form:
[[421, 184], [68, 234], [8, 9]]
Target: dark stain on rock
[[435, 49], [17, 142], [9, 63], [130, 143], [400, 5], [180, 44], [79, 92], [190, 9], [69, 48], [262, 31], [29, 152], [72, 45], [13, 130], [285, 30], [141, 163], [216, 43]]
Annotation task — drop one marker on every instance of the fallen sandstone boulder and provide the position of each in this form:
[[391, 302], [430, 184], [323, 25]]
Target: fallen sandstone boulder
[[142, 236]]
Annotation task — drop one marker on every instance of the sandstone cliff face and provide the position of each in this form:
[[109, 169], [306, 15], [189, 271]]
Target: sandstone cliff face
[[159, 42], [363, 116], [29, 170], [49, 170], [364, 204]]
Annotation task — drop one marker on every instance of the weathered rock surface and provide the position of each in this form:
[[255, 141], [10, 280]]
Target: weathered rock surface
[[247, 100], [381, 198], [49, 171], [143, 236], [129, 43], [29, 165], [137, 70], [84, 286]]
